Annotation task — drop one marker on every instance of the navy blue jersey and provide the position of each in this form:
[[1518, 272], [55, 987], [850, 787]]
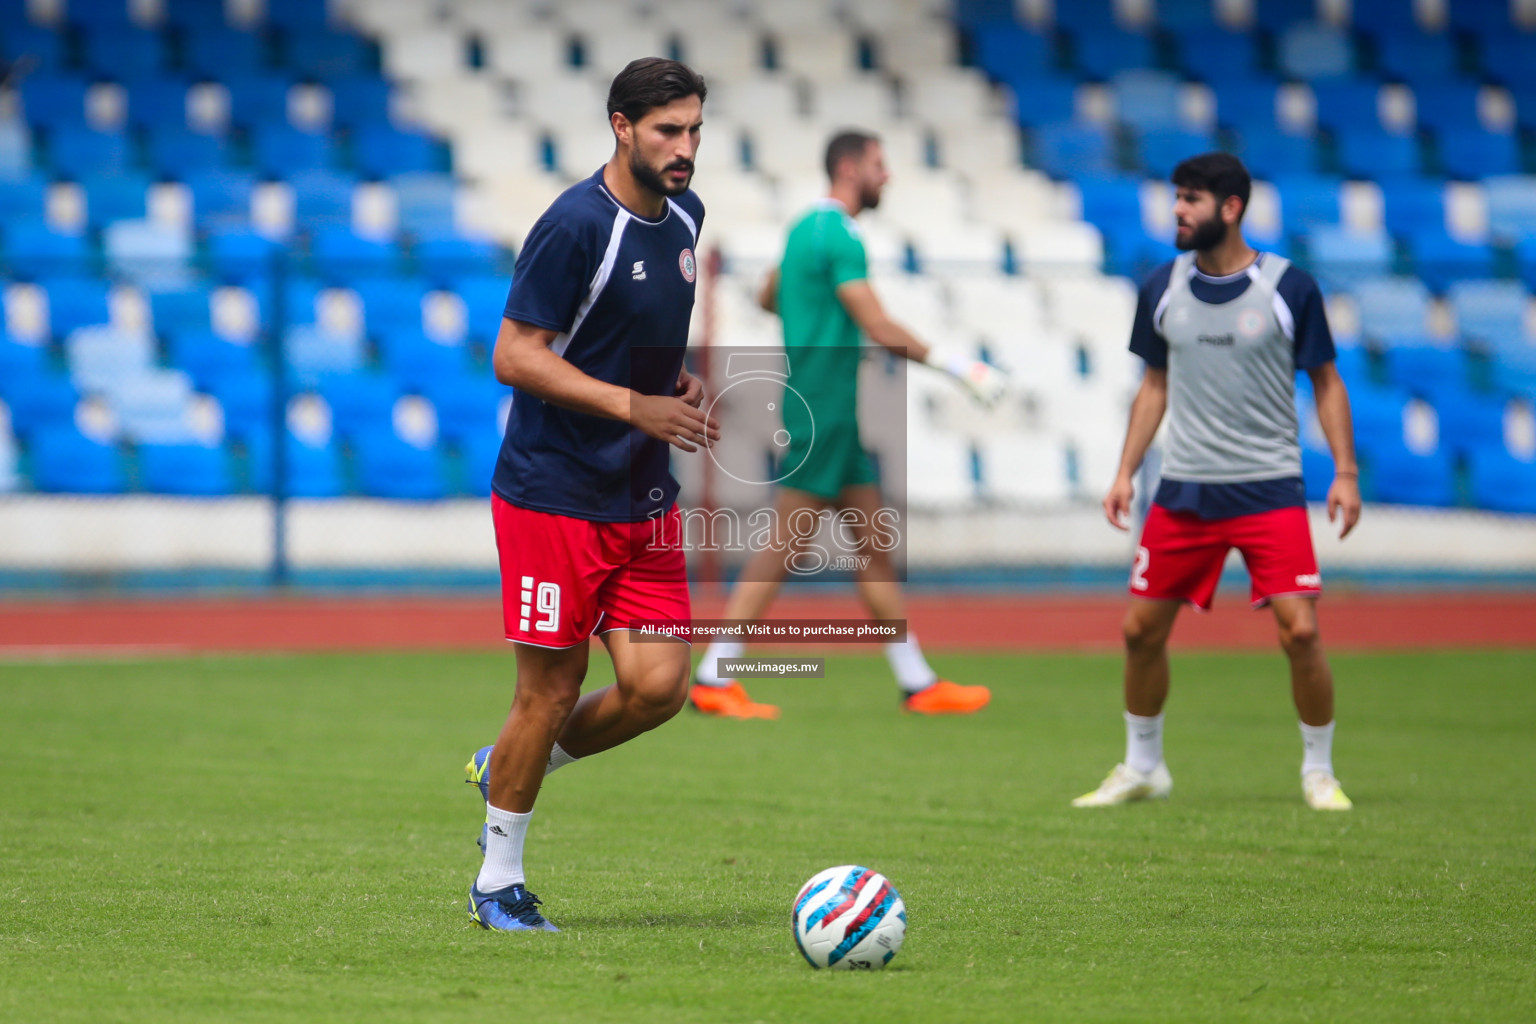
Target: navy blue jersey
[[1299, 315], [619, 290]]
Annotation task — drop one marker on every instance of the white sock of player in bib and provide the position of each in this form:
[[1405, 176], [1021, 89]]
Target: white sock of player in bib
[[1318, 743], [503, 864], [708, 673], [911, 668], [558, 758], [1143, 741]]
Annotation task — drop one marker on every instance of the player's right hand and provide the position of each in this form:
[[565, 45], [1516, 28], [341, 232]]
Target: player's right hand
[[1117, 503], [674, 421]]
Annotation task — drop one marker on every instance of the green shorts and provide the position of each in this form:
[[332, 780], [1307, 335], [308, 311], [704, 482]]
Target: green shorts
[[836, 458]]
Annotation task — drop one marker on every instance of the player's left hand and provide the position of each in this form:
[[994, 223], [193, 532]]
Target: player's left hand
[[1344, 502], [690, 389]]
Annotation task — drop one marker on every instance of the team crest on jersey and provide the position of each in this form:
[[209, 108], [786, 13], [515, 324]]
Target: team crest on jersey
[[1250, 323], [686, 265]]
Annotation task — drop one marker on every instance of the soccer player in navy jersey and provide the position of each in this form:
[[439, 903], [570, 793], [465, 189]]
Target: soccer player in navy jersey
[[587, 528], [1223, 330]]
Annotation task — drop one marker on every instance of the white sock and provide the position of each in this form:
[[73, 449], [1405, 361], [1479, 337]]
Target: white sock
[[503, 865], [1143, 741], [708, 673], [558, 759], [911, 668], [1318, 741]]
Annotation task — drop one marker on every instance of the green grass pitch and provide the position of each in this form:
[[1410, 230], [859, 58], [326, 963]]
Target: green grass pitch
[[288, 839]]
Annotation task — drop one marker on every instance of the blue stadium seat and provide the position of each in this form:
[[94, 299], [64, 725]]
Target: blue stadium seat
[[309, 471], [391, 302], [1316, 473], [1511, 206], [358, 100], [1102, 52], [1401, 477], [1274, 15], [17, 360], [381, 150], [153, 407], [1135, 254], [1377, 412], [1354, 365], [193, 14], [322, 198], [66, 461], [1507, 57], [414, 360], [442, 260], [43, 46], [1308, 201], [22, 199], [1469, 421], [1490, 311], [314, 355], [1383, 16], [1348, 105], [467, 406], [485, 297], [113, 14], [1392, 307], [224, 54], [1426, 370], [322, 54], [1472, 153], [257, 100], [122, 52], [158, 101], [281, 151], [387, 467], [478, 454], [1412, 204], [177, 152], [1310, 50], [34, 248], [1269, 154], [75, 302], [1069, 150], [1372, 154], [1486, 20], [1447, 105], [297, 14], [239, 255], [1042, 101], [1148, 99], [1217, 57], [53, 100], [1084, 16], [76, 152], [220, 197], [338, 255], [1247, 104], [1342, 257], [360, 403], [40, 401], [1112, 202], [1007, 50], [208, 358], [1185, 16], [115, 197], [1442, 260], [1501, 482], [187, 469], [1525, 261], [246, 396], [1419, 58]]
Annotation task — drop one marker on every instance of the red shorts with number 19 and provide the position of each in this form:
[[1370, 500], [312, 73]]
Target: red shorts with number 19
[[563, 579], [1181, 555]]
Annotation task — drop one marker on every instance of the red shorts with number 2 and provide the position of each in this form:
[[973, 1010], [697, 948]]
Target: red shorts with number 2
[[563, 579], [1181, 555]]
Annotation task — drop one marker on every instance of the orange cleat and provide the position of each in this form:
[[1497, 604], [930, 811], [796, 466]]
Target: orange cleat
[[728, 702], [947, 698]]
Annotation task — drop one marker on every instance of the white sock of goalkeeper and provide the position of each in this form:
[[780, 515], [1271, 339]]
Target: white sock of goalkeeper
[[912, 670], [708, 673]]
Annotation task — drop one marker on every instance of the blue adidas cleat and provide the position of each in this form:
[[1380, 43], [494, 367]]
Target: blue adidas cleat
[[478, 773], [513, 909]]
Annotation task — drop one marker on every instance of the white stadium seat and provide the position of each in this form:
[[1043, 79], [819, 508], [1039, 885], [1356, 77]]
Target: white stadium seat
[[757, 99], [821, 52], [1027, 469], [859, 101], [529, 54], [425, 53]]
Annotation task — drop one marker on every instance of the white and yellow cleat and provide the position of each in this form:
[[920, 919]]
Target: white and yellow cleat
[[1323, 792], [1125, 785]]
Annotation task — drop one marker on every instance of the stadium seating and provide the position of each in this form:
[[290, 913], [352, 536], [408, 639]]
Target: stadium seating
[[336, 162]]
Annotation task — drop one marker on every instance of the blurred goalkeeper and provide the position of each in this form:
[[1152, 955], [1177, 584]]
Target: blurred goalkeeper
[[822, 294]]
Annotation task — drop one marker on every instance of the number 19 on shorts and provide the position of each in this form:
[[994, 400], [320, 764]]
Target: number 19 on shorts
[[543, 598]]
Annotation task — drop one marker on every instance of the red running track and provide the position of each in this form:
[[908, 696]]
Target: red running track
[[943, 621]]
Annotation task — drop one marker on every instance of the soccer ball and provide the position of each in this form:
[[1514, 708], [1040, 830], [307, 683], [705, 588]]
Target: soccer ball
[[850, 918]]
